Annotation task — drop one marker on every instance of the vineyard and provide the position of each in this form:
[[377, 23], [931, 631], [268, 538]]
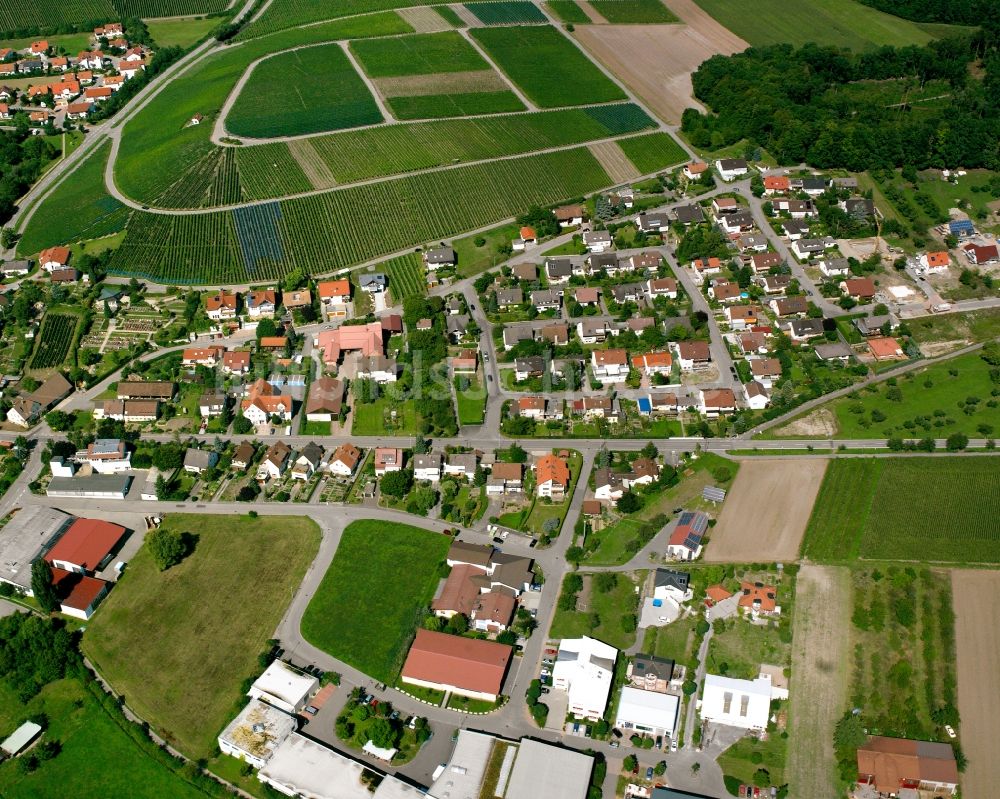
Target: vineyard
[[506, 12], [652, 152], [328, 231], [80, 210], [627, 12], [547, 66], [929, 509], [420, 54], [303, 91], [54, 340], [282, 14], [21, 16], [436, 106], [568, 11], [406, 277]]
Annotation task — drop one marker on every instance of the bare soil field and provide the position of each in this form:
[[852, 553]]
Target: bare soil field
[[766, 511], [656, 61], [976, 599], [614, 161], [820, 646], [424, 20], [485, 80], [820, 422]]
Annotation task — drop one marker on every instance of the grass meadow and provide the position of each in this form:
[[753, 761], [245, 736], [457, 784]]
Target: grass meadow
[[181, 32], [600, 613], [932, 509], [370, 600], [547, 66], [179, 643]]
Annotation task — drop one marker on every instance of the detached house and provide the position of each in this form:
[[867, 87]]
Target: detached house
[[427, 467], [731, 168], [275, 462], [558, 270], [551, 477], [505, 478], [335, 297], [308, 462], [716, 402], [597, 240], [439, 256], [858, 288], [609, 366], [790, 306], [686, 540], [263, 402], [693, 354], [261, 304], [344, 460], [221, 306], [653, 363], [662, 287], [388, 459]]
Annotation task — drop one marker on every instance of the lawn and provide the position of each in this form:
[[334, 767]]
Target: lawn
[[370, 600], [928, 402], [374, 418], [181, 32], [958, 328], [303, 91], [841, 23], [119, 765], [471, 402], [81, 209], [179, 643], [420, 54], [624, 12], [307, 428], [474, 258], [608, 616], [739, 760], [674, 642], [547, 66], [652, 152], [921, 509], [741, 647]]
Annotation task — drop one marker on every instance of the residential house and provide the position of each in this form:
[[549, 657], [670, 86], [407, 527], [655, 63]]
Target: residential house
[[388, 459], [739, 222], [236, 362], [609, 366], [774, 284], [885, 349], [525, 271], [371, 283], [794, 229], [569, 215], [527, 368], [275, 461], [376, 367], [703, 267], [662, 287], [161, 390], [653, 363], [776, 184], [797, 209], [646, 261], [688, 214], [799, 330], [221, 306], [584, 669], [335, 297], [752, 242], [558, 270], [546, 299], [758, 600], [462, 464], [108, 456], [628, 292], [892, 766], [515, 334], [505, 478], [594, 407], [695, 170], [655, 222], [127, 410], [199, 461], [731, 168], [592, 331], [835, 267], [263, 402], [740, 317], [243, 456], [308, 461], [211, 404], [837, 351], [457, 327], [725, 291], [608, 485], [716, 402], [16, 268], [755, 396], [745, 704], [766, 371], [752, 343], [725, 205], [296, 299], [981, 254], [344, 460], [556, 334], [202, 356], [596, 263], [531, 407], [861, 289], [935, 263], [790, 306], [427, 467], [508, 298], [466, 361], [53, 258], [552, 476], [813, 186], [763, 261], [437, 257], [597, 240], [26, 410], [692, 354], [261, 304], [861, 208], [651, 673]]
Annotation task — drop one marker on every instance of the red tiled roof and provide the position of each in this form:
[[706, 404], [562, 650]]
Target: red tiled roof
[[76, 590], [467, 663], [554, 468], [86, 543], [758, 594]]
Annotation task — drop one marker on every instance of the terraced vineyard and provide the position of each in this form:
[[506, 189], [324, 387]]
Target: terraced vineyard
[[406, 277], [54, 340], [303, 91]]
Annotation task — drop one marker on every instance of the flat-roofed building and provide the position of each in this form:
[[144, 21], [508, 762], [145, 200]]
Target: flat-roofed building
[[256, 733], [284, 687]]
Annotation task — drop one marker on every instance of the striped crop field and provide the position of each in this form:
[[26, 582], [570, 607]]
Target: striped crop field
[[406, 276]]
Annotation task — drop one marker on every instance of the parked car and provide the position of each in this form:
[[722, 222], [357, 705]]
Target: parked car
[[649, 773], [615, 744], [312, 710], [545, 690], [673, 744], [616, 732], [659, 741], [545, 672], [950, 730], [551, 651], [497, 540], [394, 715]]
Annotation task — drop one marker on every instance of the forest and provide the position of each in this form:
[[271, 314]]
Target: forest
[[932, 106], [22, 157]]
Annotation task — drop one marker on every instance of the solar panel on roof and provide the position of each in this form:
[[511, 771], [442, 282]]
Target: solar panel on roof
[[713, 494]]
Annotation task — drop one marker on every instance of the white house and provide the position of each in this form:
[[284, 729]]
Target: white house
[[284, 687], [256, 733], [736, 703], [427, 467], [755, 395], [672, 585], [609, 366], [597, 241], [584, 668], [731, 168], [649, 712]]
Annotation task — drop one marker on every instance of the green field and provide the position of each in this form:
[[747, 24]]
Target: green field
[[449, 15], [652, 152], [933, 509], [464, 104], [928, 402], [21, 17], [601, 615], [303, 91], [626, 12], [841, 23], [370, 600], [568, 11], [471, 402], [181, 32], [79, 209], [122, 765], [335, 229], [547, 66], [506, 12], [420, 54], [282, 14], [406, 276], [179, 643]]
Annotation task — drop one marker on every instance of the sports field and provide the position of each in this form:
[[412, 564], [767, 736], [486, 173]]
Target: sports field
[[179, 643], [303, 91], [976, 598], [546, 66], [369, 603], [934, 509], [841, 23], [766, 511]]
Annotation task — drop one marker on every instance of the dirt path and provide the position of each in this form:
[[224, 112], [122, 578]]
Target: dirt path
[[312, 164], [424, 19], [820, 649], [766, 511], [656, 61], [466, 16], [976, 599], [614, 161]]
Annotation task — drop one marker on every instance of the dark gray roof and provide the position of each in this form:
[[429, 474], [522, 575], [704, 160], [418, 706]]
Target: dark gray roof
[[666, 578], [689, 213]]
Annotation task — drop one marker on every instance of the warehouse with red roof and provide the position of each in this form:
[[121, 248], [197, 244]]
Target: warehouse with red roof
[[86, 546], [467, 666]]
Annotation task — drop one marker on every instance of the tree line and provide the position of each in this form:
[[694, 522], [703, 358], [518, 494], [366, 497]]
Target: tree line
[[828, 107]]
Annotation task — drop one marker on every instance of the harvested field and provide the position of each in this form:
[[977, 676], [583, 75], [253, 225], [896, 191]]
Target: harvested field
[[976, 599], [656, 61], [819, 677], [766, 511], [424, 19], [312, 164], [619, 168], [820, 422], [484, 80]]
